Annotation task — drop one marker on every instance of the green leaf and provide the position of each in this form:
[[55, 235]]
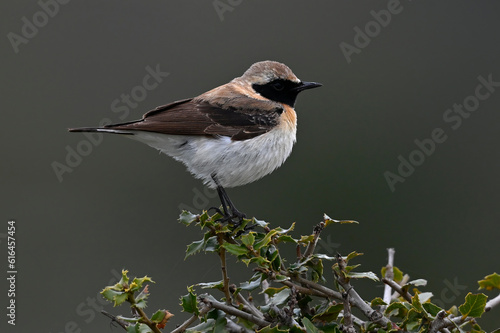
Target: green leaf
[[417, 283], [330, 314], [323, 256], [280, 278], [189, 303], [252, 284], [260, 223], [286, 238], [278, 299], [240, 228], [187, 218], [317, 266], [306, 239], [474, 305], [352, 255], [138, 282], [211, 285], [271, 291], [248, 239], [398, 275], [350, 268], [269, 329], [377, 301], [208, 243], [220, 325], [328, 220], [432, 309], [309, 326], [194, 247], [141, 304], [266, 240], [236, 249], [117, 297], [282, 231], [120, 298], [415, 301], [123, 281], [363, 275], [490, 282], [139, 328], [260, 261], [413, 320], [424, 297], [396, 309], [158, 316], [204, 219]]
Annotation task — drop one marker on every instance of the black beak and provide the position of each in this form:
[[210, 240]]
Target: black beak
[[307, 85]]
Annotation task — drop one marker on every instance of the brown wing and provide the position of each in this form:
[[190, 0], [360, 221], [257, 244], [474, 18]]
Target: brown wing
[[238, 117]]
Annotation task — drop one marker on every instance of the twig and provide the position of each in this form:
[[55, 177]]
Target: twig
[[265, 285], [439, 322], [326, 291], [403, 281], [144, 317], [406, 295], [357, 301], [225, 279], [235, 312], [492, 303], [303, 290], [356, 321], [389, 275], [191, 320], [248, 306], [348, 323], [117, 320], [312, 245]]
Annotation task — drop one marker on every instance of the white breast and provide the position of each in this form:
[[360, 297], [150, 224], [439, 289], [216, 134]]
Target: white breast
[[234, 162]]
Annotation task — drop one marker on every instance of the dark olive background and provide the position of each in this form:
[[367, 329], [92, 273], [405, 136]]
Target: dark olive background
[[118, 208]]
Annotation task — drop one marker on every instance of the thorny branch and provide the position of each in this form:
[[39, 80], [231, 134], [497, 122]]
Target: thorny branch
[[225, 278], [356, 300], [397, 288], [212, 303], [191, 320], [348, 322]]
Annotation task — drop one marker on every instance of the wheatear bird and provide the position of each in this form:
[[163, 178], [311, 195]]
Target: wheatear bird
[[229, 136]]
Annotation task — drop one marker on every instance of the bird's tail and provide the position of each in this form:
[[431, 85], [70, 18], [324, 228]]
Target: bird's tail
[[100, 129]]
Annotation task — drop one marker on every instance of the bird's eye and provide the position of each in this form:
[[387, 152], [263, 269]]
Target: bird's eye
[[278, 86]]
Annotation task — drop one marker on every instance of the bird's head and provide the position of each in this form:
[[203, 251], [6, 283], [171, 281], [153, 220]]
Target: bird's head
[[275, 81]]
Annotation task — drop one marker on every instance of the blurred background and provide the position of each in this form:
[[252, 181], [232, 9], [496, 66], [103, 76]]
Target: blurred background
[[393, 72]]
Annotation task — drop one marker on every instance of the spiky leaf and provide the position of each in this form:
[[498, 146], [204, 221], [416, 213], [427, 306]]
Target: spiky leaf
[[474, 305], [189, 303], [330, 314], [490, 282], [187, 218]]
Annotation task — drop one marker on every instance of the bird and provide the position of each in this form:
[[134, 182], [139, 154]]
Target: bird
[[229, 136]]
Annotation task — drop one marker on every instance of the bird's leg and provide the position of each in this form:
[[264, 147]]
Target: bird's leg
[[228, 207]]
